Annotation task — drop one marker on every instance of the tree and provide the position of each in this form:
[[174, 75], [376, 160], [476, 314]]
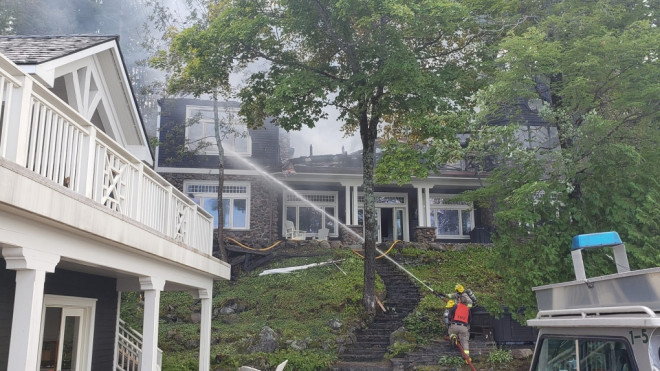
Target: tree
[[380, 63], [592, 68], [194, 68]]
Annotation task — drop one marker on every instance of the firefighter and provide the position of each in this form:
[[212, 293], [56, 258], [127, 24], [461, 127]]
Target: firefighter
[[450, 304], [459, 323], [463, 294]]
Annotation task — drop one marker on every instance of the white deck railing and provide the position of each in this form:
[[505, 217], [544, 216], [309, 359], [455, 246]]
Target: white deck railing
[[45, 135], [129, 349]]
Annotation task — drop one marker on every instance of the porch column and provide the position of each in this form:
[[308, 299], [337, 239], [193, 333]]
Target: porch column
[[31, 267], [421, 218], [427, 209], [205, 328], [152, 287], [347, 211], [355, 205]]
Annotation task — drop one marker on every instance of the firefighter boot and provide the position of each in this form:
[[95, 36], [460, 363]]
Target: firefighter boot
[[454, 339]]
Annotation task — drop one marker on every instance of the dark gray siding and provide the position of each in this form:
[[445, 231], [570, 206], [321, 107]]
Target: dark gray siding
[[67, 283], [265, 141], [7, 289], [70, 283]]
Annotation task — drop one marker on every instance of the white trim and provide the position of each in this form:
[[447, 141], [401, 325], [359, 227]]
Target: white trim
[[203, 121], [305, 203], [87, 307], [188, 170], [394, 206], [457, 207], [229, 196]]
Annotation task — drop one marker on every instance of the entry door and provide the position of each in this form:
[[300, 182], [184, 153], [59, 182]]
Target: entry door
[[66, 333], [70, 340]]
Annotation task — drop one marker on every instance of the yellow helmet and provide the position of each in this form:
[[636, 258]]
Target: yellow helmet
[[450, 303], [459, 288]]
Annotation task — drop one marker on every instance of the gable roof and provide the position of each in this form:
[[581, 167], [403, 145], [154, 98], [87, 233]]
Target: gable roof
[[40, 49], [47, 58]]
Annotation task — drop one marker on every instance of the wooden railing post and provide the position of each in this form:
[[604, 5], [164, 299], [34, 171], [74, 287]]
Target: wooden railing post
[[20, 112], [139, 197], [88, 159]]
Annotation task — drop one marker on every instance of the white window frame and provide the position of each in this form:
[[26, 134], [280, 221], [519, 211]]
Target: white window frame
[[200, 196], [393, 206], [228, 143], [88, 308], [297, 203], [447, 204]]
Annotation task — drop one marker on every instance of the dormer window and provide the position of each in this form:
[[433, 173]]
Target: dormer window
[[200, 131]]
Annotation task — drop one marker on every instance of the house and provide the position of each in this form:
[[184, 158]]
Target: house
[[265, 188], [84, 217]]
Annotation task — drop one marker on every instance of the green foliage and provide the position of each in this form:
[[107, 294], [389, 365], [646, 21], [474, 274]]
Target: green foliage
[[442, 270], [451, 361], [298, 306], [400, 349], [593, 70], [499, 356]]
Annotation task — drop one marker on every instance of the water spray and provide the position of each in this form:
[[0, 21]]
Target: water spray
[[300, 196]]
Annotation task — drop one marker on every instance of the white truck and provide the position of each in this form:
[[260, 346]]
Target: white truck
[[606, 323]]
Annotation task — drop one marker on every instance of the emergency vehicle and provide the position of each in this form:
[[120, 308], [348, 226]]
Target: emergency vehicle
[[605, 323]]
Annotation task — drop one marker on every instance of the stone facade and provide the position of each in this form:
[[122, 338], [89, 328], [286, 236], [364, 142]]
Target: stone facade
[[348, 238], [265, 227], [425, 234]]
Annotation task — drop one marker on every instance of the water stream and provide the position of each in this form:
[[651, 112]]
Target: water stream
[[311, 204]]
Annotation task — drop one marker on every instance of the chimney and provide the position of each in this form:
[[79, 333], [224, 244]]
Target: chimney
[[310, 151]]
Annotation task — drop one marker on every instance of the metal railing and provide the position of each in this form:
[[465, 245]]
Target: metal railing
[[47, 136], [129, 349]]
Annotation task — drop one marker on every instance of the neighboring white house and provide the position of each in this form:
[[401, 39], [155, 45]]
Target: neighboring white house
[[83, 216]]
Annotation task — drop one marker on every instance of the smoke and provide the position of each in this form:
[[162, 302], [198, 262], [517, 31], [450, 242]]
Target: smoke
[[140, 25]]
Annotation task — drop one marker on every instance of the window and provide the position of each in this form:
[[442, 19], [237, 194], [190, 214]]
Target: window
[[200, 131], [451, 219], [235, 202], [572, 354], [308, 218]]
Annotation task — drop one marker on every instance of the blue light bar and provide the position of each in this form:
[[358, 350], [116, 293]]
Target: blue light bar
[[586, 241]]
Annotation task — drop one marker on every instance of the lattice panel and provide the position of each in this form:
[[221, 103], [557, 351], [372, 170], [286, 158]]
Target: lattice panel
[[180, 221], [114, 183]]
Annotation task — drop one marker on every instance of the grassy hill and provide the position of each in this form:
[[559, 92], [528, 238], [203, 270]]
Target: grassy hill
[[311, 312]]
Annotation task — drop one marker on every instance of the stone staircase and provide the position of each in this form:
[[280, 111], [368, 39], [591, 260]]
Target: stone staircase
[[401, 298]]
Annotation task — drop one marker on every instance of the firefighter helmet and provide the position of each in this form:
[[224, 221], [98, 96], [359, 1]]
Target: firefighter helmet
[[459, 288], [450, 303]]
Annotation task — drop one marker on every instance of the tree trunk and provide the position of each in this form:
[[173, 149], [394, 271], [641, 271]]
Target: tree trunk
[[368, 135], [222, 252]]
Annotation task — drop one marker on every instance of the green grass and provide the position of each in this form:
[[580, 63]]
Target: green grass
[[298, 306]]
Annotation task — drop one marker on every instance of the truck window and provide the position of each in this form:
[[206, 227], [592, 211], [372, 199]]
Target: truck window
[[565, 354]]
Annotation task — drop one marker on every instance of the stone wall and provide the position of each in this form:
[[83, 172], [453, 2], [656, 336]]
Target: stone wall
[[348, 238], [424, 234]]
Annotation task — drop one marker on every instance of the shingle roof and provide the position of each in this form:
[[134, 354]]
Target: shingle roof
[[40, 49]]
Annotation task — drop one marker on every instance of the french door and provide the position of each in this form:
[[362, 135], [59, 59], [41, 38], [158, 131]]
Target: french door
[[66, 333]]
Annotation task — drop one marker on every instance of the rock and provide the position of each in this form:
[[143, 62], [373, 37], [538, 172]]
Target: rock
[[195, 317], [191, 344], [230, 319], [228, 310], [400, 336], [521, 353], [174, 335], [267, 341], [299, 344], [335, 324]]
